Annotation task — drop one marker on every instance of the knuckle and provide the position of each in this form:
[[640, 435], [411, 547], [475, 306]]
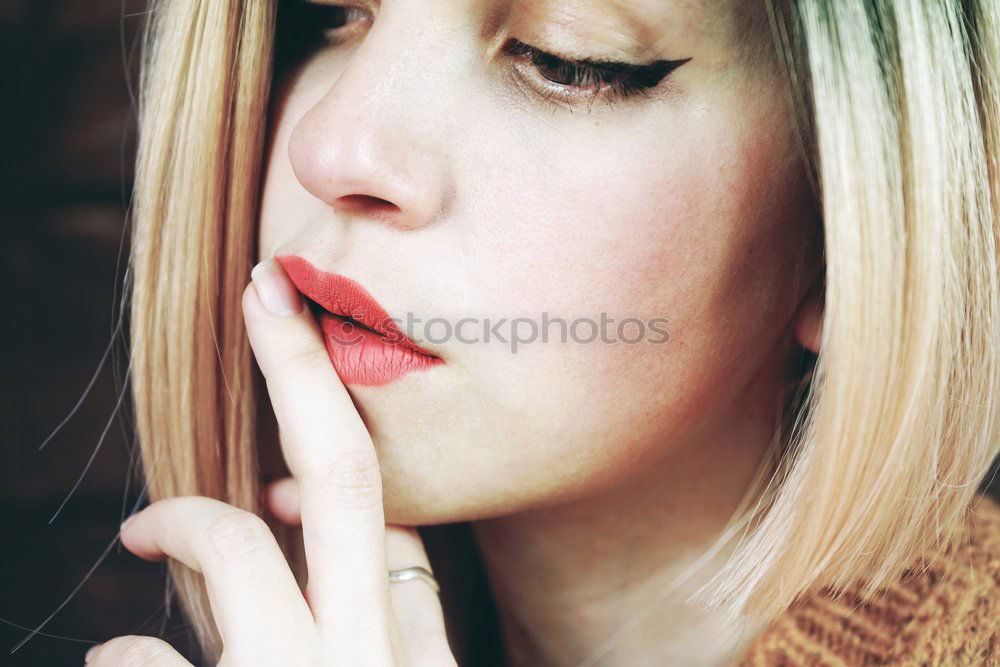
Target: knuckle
[[297, 355], [236, 533], [291, 358], [351, 480], [134, 650]]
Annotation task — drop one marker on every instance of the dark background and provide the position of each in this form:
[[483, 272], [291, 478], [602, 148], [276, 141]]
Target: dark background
[[67, 129], [68, 136]]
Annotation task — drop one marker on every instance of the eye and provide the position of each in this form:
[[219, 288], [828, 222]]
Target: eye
[[588, 78], [311, 22], [337, 18]]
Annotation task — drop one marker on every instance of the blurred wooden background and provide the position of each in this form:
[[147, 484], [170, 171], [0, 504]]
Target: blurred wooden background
[[65, 168]]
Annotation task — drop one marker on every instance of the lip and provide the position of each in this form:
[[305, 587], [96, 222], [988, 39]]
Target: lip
[[375, 353]]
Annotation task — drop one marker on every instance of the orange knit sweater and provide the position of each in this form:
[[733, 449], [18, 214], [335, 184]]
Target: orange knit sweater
[[920, 620]]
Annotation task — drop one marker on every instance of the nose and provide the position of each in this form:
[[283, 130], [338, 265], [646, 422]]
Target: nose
[[368, 148]]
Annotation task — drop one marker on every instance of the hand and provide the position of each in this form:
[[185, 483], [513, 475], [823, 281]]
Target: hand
[[349, 613]]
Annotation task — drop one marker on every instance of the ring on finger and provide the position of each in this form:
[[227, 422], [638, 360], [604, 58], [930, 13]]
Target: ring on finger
[[415, 572]]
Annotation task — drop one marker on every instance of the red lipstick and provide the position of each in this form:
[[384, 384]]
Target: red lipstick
[[364, 344]]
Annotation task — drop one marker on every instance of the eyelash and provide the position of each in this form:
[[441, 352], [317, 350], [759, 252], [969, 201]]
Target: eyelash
[[552, 76], [570, 80]]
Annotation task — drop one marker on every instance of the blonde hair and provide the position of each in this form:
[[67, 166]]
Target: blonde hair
[[899, 109]]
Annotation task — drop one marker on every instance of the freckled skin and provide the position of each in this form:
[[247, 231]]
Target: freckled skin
[[690, 206]]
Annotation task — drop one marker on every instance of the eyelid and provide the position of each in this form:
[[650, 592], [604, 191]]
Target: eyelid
[[608, 65]]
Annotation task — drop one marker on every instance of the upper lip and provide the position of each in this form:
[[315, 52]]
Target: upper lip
[[344, 296]]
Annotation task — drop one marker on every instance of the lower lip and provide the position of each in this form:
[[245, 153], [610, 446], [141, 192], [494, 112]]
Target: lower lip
[[361, 356]]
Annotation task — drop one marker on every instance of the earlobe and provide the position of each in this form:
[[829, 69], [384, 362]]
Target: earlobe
[[809, 318]]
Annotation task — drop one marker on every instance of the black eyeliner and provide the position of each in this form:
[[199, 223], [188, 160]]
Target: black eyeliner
[[646, 75]]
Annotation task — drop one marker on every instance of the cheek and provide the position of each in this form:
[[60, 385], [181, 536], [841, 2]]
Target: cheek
[[283, 205], [688, 226]]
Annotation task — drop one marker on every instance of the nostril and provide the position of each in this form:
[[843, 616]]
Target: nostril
[[367, 203]]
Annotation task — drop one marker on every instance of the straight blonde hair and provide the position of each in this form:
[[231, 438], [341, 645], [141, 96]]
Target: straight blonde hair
[[898, 103]]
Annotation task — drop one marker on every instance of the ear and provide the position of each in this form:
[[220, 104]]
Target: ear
[[809, 317]]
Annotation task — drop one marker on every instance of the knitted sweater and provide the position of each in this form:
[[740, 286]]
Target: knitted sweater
[[920, 620]]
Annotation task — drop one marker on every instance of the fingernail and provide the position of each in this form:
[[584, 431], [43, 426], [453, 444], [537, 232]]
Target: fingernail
[[90, 652], [275, 290]]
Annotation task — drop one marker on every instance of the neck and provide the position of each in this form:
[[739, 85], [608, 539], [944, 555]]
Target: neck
[[604, 578]]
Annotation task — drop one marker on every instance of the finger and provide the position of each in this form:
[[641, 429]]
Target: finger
[[330, 453], [256, 602], [282, 500], [135, 650], [416, 606]]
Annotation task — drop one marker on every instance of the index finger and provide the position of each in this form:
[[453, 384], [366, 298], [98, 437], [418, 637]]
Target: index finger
[[330, 452]]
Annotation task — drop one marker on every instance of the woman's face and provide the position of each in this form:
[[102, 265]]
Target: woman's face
[[437, 163]]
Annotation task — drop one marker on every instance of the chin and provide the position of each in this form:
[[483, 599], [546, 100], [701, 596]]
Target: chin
[[412, 499], [409, 502]]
